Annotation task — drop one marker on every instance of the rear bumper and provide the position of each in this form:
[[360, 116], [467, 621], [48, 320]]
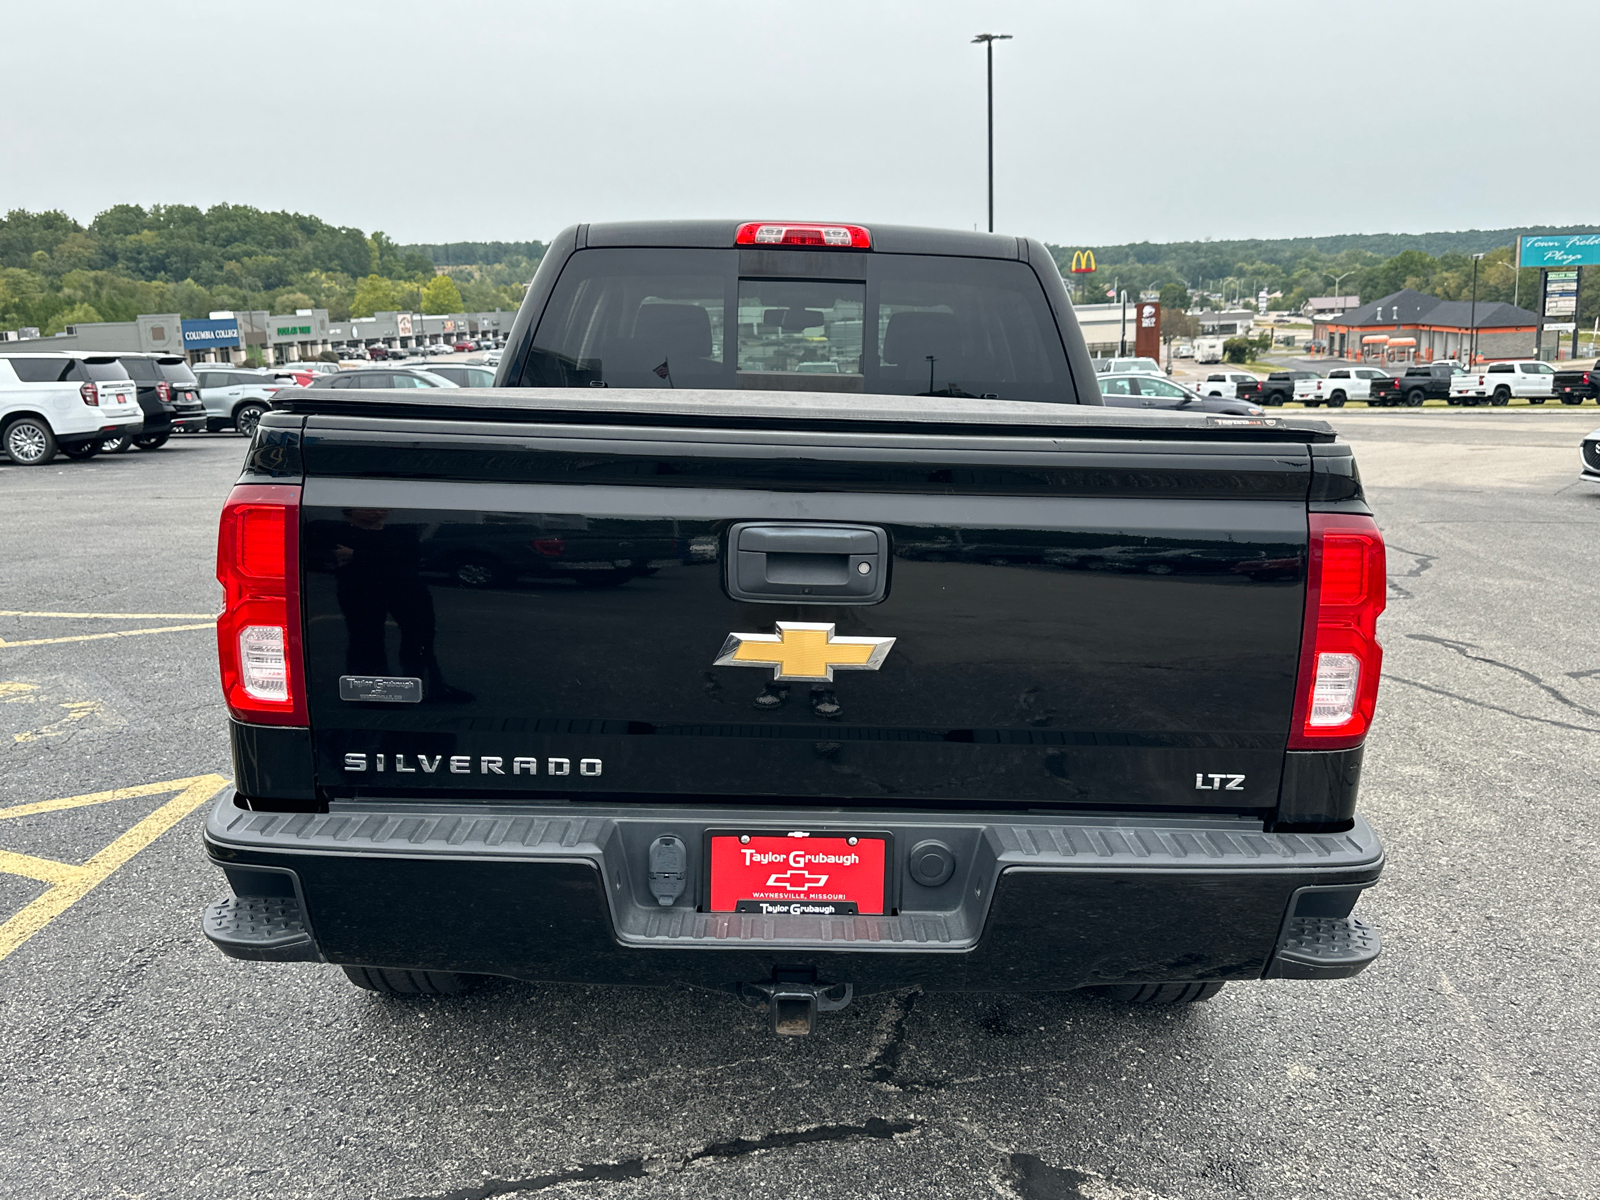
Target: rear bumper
[[561, 893]]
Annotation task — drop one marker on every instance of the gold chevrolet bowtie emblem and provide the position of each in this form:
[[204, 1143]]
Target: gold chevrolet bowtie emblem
[[801, 651]]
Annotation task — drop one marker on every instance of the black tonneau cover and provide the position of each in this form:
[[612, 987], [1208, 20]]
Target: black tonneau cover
[[795, 410]]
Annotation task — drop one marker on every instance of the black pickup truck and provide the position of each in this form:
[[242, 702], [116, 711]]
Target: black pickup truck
[[1426, 381], [1577, 385], [955, 678]]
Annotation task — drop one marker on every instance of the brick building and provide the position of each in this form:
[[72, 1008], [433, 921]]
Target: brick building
[[1408, 326]]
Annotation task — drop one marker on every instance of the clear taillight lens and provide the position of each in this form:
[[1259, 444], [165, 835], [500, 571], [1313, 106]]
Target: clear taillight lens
[[263, 662], [164, 392]]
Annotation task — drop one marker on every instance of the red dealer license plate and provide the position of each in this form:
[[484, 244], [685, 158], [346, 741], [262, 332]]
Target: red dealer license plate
[[810, 875]]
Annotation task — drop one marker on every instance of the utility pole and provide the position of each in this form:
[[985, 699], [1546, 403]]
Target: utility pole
[[1473, 358], [988, 40]]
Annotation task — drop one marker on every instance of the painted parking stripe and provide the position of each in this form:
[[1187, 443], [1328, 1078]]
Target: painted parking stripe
[[95, 637], [71, 882], [115, 616]]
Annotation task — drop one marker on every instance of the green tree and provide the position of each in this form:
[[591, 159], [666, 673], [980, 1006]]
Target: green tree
[[78, 314], [374, 294], [441, 295], [1173, 296], [288, 302], [1239, 349]]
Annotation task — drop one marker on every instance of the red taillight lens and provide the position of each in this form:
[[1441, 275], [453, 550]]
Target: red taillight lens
[[164, 392], [90, 394], [785, 233], [549, 547], [1340, 658], [258, 633]]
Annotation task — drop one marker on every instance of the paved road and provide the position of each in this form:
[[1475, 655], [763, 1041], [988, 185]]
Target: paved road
[[138, 1062]]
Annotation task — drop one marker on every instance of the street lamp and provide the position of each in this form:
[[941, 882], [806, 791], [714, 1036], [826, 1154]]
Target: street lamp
[[1337, 279], [988, 40], [1473, 321]]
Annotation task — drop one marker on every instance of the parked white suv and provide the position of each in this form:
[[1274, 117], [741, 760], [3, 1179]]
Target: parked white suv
[[63, 400], [236, 397]]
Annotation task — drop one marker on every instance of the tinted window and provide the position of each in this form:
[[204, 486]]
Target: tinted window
[[209, 379], [176, 371], [837, 322], [340, 381], [41, 370], [1501, 369], [142, 369], [98, 370]]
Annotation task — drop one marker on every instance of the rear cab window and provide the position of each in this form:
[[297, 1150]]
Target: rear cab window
[[800, 320]]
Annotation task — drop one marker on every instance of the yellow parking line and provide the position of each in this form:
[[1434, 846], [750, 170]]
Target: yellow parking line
[[70, 883], [95, 637], [117, 616]]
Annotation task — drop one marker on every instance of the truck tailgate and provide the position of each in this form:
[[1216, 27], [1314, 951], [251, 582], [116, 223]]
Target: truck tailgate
[[1100, 622]]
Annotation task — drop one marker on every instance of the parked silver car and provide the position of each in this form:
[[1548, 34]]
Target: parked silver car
[[235, 398]]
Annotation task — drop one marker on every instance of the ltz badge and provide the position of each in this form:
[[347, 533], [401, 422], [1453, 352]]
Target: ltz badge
[[803, 652]]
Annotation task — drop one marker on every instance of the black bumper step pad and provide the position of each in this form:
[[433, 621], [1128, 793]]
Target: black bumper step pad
[[260, 928], [1325, 948]]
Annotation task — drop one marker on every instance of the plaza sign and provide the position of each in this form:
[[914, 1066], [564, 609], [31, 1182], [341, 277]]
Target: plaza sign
[[1564, 250]]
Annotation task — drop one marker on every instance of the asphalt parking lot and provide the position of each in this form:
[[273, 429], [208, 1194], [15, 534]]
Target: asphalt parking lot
[[139, 1062]]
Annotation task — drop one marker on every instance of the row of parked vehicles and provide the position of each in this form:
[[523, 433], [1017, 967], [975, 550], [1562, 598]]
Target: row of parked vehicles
[[1494, 384], [83, 403]]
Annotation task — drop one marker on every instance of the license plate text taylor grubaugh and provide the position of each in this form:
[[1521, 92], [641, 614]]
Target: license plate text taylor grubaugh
[[804, 875]]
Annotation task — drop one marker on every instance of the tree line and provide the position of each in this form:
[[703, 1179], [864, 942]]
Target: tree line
[[178, 258]]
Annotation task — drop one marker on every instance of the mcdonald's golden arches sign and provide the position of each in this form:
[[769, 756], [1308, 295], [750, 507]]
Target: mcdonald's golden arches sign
[[1083, 262]]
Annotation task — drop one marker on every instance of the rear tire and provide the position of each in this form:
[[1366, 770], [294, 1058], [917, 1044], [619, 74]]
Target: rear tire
[[1157, 993], [117, 443], [80, 450], [1336, 400], [1415, 397], [154, 442], [29, 442], [246, 417], [394, 982]]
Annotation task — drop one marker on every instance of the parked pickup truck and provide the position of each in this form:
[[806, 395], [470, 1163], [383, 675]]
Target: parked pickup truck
[[1233, 385], [961, 679], [1428, 381], [1576, 386], [1339, 385], [1498, 382]]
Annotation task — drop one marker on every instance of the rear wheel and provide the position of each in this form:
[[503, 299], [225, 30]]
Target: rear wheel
[[1336, 400], [117, 443], [29, 442], [1157, 993], [81, 450], [246, 417], [154, 442], [411, 983], [1415, 397]]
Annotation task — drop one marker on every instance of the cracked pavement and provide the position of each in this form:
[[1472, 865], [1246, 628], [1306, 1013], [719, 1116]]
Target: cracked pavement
[[141, 1063]]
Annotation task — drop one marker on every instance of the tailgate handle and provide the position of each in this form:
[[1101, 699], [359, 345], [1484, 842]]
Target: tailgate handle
[[802, 563]]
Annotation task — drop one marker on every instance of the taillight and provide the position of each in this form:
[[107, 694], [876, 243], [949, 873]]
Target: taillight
[[549, 547], [786, 233], [258, 633], [90, 394], [1340, 658], [164, 392]]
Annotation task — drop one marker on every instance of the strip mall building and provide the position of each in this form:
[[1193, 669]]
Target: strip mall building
[[1408, 326]]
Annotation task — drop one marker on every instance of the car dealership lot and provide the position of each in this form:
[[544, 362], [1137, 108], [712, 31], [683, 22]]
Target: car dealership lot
[[139, 1061]]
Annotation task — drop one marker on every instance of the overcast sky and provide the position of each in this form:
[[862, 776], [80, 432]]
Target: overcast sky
[[1158, 120]]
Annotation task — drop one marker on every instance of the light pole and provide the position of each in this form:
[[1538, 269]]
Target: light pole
[[988, 40], [1473, 320], [1337, 279]]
